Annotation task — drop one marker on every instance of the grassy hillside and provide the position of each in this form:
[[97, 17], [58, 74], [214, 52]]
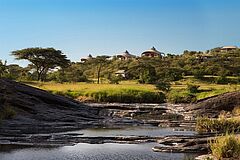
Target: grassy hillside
[[131, 90]]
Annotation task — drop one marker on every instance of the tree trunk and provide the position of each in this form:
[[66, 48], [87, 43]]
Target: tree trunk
[[99, 72], [38, 75]]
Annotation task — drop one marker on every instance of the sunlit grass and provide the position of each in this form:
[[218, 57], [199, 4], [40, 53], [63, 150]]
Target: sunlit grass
[[81, 88], [206, 89], [227, 146], [221, 124], [85, 87]]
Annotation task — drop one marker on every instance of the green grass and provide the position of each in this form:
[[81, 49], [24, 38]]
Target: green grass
[[92, 90], [227, 146], [221, 125], [119, 95], [126, 92], [181, 96], [206, 89], [89, 87]]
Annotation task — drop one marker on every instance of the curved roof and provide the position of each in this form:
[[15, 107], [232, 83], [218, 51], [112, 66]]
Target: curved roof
[[152, 50], [229, 47]]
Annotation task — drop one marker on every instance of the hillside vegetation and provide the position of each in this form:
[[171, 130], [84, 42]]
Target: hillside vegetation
[[183, 78], [132, 91]]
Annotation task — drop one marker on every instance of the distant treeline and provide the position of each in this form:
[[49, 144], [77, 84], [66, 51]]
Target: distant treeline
[[48, 64]]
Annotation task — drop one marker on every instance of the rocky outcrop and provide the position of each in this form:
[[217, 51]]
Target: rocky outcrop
[[184, 144], [212, 106], [39, 115], [38, 111], [63, 139]]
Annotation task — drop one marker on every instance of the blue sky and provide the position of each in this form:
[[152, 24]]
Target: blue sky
[[80, 27]]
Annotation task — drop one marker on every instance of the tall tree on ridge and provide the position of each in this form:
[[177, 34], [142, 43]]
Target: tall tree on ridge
[[42, 59]]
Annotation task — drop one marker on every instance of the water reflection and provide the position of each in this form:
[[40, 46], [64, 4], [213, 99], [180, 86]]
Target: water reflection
[[111, 151], [82, 151], [133, 131]]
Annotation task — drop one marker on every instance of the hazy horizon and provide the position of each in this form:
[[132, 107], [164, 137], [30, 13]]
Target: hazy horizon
[[82, 27]]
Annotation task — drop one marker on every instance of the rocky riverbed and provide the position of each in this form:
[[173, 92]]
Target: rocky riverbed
[[44, 119]]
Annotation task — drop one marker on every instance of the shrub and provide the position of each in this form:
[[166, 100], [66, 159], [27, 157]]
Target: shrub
[[221, 125], [198, 73], [127, 96], [163, 86], [115, 80], [221, 80], [227, 146], [121, 96], [192, 88], [177, 96]]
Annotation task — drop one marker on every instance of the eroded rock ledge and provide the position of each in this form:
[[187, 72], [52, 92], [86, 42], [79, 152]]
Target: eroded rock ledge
[[212, 106], [38, 111], [41, 114]]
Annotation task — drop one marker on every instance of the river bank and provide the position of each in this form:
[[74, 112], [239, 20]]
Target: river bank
[[46, 120]]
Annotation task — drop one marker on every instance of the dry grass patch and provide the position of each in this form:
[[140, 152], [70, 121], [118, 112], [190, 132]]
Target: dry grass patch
[[227, 146]]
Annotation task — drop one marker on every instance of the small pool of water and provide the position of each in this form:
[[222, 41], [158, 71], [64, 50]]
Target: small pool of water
[[81, 151], [133, 131], [107, 151]]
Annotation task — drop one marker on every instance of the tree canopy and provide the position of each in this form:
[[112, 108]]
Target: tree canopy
[[42, 59], [217, 64]]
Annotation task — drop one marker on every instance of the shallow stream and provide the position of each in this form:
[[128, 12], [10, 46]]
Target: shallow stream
[[111, 151]]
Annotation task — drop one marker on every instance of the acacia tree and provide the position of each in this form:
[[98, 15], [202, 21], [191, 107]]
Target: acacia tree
[[99, 62], [42, 59]]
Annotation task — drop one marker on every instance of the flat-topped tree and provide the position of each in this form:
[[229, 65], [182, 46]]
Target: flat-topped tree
[[42, 59]]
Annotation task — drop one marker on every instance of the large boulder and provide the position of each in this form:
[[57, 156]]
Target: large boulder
[[38, 111], [212, 106]]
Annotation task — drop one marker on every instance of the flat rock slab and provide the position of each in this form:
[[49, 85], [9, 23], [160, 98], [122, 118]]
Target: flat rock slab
[[184, 144]]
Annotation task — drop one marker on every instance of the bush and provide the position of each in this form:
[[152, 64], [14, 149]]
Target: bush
[[127, 96], [163, 86], [221, 125], [198, 73], [178, 96], [121, 96], [225, 147], [221, 80], [114, 79], [192, 88]]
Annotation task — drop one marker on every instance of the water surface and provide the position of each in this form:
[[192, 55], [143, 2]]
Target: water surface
[[107, 151], [145, 130], [81, 151]]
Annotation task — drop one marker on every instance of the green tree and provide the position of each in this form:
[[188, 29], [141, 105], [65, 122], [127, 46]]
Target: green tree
[[163, 85], [74, 73], [99, 62], [198, 73], [42, 59], [3, 68], [14, 71], [144, 71], [193, 88]]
